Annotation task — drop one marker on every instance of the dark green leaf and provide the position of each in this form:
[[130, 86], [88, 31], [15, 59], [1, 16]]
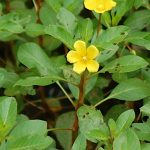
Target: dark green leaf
[[80, 143], [125, 120], [138, 20], [127, 140], [61, 34], [67, 19], [125, 64], [34, 29], [131, 90], [31, 55], [8, 112], [65, 120]]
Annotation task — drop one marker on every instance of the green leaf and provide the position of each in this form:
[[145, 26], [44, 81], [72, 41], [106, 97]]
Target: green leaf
[[91, 119], [145, 146], [13, 28], [41, 81], [34, 29], [67, 19], [31, 55], [47, 15], [65, 120], [138, 19], [128, 140], [30, 142], [85, 29], [131, 90], [8, 112], [140, 39], [19, 90], [75, 6], [61, 34], [112, 127], [29, 134], [146, 74], [138, 3], [119, 77], [80, 143], [7, 79], [55, 5], [115, 111], [145, 109], [120, 10], [108, 52], [125, 120], [29, 127], [112, 35], [106, 19], [125, 64], [101, 134], [142, 130]]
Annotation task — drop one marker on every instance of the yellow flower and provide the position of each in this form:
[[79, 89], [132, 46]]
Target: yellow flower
[[83, 57], [99, 6]]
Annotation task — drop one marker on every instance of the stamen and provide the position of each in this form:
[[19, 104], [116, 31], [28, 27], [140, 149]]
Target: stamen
[[84, 58]]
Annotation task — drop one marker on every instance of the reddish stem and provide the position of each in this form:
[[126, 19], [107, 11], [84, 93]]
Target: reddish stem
[[79, 104]]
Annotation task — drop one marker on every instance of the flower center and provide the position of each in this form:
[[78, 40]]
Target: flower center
[[84, 58]]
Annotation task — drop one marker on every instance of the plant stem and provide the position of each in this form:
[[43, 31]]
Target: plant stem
[[79, 104], [102, 101], [99, 25], [37, 5], [7, 6], [64, 91]]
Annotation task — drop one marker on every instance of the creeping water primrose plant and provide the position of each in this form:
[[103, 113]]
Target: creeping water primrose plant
[[74, 75]]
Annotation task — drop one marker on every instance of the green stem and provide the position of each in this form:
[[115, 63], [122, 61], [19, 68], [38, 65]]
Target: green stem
[[64, 91], [102, 101]]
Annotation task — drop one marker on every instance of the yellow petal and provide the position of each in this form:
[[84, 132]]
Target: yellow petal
[[109, 4], [79, 67], [92, 66], [80, 47], [73, 56], [90, 4], [92, 52]]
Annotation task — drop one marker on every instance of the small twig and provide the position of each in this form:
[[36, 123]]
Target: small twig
[[138, 117], [34, 105]]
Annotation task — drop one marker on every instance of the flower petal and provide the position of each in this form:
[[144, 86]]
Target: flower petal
[[90, 4], [73, 56], [79, 67], [92, 52], [92, 66], [105, 6], [80, 47], [109, 4]]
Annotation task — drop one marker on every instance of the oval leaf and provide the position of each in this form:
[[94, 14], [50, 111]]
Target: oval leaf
[[131, 90], [125, 64]]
